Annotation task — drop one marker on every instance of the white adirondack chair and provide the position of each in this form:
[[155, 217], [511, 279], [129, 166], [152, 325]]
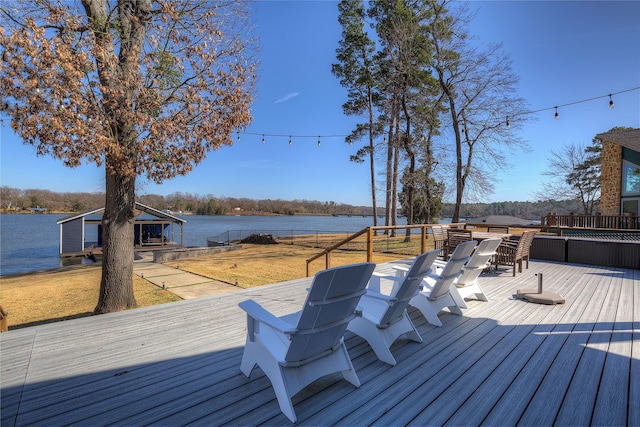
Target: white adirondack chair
[[384, 317], [467, 284], [297, 349], [436, 287]]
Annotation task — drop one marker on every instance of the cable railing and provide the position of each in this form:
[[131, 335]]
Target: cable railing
[[624, 222], [307, 237], [398, 240], [371, 234]]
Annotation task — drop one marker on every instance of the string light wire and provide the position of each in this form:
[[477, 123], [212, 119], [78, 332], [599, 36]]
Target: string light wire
[[507, 121]]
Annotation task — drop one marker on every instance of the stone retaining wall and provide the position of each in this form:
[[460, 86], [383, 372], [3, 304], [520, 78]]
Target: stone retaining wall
[[182, 253]]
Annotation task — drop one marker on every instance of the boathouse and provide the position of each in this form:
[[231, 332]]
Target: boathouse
[[81, 234]]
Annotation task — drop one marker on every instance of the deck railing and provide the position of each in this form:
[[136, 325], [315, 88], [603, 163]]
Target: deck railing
[[370, 234], [591, 221]]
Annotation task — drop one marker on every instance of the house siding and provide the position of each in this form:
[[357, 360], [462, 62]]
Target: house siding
[[72, 236]]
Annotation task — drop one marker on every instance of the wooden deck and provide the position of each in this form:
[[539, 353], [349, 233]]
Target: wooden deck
[[505, 362]]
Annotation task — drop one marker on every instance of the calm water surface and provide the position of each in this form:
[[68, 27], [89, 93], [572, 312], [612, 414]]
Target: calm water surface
[[31, 242]]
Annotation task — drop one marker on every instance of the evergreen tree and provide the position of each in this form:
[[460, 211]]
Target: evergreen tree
[[355, 69]]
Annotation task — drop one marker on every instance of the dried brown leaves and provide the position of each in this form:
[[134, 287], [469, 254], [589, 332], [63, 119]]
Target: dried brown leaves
[[147, 90]]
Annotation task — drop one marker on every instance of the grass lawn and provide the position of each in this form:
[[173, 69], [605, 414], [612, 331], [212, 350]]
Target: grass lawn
[[67, 293]]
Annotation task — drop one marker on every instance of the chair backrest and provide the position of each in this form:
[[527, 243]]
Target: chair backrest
[[438, 232], [479, 260], [440, 238], [330, 305], [524, 244], [452, 269], [498, 229], [455, 236], [409, 287]]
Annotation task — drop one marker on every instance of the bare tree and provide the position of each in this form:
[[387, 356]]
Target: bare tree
[[479, 87], [574, 172], [141, 87]]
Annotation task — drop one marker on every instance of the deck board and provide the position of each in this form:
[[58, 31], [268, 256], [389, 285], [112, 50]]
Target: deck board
[[504, 362]]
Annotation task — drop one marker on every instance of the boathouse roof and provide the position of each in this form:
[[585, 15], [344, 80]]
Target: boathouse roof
[[139, 206]]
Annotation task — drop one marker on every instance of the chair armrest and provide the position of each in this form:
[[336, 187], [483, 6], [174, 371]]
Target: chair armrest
[[401, 270], [257, 312], [378, 295], [433, 275], [374, 282]]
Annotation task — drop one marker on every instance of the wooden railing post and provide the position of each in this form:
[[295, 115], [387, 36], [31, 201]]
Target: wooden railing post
[[423, 244], [369, 244], [327, 259]]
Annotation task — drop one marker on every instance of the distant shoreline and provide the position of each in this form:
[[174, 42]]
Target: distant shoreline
[[4, 211]]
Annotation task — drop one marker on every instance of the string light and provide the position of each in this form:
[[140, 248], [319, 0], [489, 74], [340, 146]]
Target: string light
[[507, 120]]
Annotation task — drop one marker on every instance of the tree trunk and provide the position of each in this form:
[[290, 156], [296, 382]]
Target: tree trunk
[[412, 170], [116, 286], [396, 166], [372, 164], [387, 216], [459, 174], [394, 194]]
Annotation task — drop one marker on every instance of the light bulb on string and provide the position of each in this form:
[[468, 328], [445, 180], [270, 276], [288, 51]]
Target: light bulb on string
[[463, 131]]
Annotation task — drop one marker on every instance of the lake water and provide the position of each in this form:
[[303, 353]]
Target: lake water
[[31, 242]]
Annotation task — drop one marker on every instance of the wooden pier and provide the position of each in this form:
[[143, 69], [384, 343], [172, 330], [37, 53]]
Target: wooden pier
[[504, 362]]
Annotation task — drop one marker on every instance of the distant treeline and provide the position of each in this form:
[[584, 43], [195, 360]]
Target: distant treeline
[[525, 210], [17, 200]]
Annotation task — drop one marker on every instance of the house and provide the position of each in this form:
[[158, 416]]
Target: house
[[620, 172], [153, 229]]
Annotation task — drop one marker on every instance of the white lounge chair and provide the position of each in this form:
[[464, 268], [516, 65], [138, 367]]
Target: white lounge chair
[[297, 349], [436, 287], [467, 284], [384, 317]]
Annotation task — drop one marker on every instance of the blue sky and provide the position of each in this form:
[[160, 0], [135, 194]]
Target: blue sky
[[564, 52]]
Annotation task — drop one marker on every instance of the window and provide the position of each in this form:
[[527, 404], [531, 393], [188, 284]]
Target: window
[[630, 206], [630, 179]]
